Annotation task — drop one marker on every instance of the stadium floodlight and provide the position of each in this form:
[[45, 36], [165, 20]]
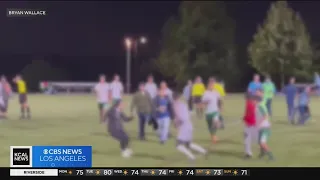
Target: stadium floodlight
[[143, 40], [131, 43], [128, 43]]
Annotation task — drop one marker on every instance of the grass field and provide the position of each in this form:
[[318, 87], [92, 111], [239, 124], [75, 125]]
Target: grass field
[[73, 120]]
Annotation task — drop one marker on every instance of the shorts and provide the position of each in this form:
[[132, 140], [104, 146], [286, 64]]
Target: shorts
[[184, 143], [102, 106], [114, 101], [211, 118], [197, 99], [23, 98], [264, 135]]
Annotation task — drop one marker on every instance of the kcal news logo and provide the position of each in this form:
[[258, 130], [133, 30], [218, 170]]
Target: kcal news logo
[[20, 156]]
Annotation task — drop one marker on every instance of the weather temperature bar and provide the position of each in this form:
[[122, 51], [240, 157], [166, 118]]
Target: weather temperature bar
[[153, 172], [128, 172]]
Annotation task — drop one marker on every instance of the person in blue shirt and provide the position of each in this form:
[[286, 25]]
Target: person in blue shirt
[[162, 114], [303, 106], [291, 92], [255, 84], [317, 83]]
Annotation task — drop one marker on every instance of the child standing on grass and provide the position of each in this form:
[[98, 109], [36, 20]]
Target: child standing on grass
[[263, 125], [303, 106]]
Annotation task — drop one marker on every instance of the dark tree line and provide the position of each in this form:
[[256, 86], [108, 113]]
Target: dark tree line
[[201, 41]]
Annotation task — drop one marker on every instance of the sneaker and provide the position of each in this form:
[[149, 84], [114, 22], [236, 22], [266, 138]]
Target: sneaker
[[126, 154], [247, 156], [261, 155], [130, 151]]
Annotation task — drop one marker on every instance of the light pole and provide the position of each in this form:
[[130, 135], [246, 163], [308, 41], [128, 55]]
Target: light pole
[[129, 42]]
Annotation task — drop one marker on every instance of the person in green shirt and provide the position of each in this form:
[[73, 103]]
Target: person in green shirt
[[269, 91]]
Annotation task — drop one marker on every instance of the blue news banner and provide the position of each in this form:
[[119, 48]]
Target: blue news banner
[[61, 156]]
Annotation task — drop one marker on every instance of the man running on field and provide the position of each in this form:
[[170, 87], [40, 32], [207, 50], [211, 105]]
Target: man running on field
[[211, 99], [219, 89], [185, 129]]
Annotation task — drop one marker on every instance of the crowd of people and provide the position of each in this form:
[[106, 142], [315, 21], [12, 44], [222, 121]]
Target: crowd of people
[[161, 107]]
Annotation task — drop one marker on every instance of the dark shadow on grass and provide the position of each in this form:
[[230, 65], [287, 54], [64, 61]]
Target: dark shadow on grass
[[282, 122], [224, 153], [136, 139], [138, 154], [230, 141], [149, 156], [107, 152]]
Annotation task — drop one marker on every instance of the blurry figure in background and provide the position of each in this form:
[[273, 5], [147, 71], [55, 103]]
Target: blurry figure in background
[[198, 90], [218, 87], [114, 120], [152, 89], [43, 87], [103, 95], [6, 93], [317, 83], [255, 84], [116, 88], [269, 90], [303, 106], [23, 99], [185, 129], [169, 94], [167, 91], [142, 103], [187, 94], [291, 91]]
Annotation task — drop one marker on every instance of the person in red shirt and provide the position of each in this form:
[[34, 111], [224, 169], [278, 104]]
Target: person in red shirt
[[250, 124]]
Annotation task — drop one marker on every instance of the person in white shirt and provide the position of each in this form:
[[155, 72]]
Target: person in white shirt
[[151, 87], [103, 94], [211, 99], [116, 89], [102, 91]]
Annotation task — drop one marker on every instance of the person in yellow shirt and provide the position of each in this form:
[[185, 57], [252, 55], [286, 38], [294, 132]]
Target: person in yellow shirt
[[198, 90], [220, 89], [23, 100]]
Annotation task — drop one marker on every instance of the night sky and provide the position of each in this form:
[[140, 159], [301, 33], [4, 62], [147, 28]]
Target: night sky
[[81, 34]]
